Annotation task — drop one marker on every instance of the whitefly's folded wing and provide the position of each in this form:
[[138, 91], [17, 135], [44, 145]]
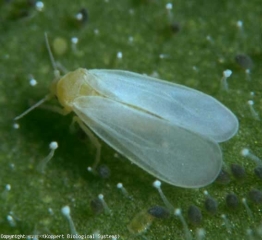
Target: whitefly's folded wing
[[180, 105], [169, 152]]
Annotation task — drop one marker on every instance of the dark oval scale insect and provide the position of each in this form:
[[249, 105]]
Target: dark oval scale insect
[[194, 215], [244, 61], [158, 212], [211, 205], [238, 171], [96, 206], [232, 201], [258, 172], [223, 177], [256, 196]]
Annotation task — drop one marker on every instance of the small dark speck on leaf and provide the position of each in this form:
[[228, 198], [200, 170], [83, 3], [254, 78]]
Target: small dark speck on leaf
[[175, 27], [103, 171], [82, 16]]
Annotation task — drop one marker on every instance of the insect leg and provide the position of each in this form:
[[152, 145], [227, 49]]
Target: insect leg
[[55, 109], [92, 137]]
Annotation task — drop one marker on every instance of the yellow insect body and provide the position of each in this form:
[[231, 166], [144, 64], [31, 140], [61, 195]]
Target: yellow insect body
[[71, 86]]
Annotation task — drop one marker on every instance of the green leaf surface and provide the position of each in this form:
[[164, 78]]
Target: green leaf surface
[[191, 44]]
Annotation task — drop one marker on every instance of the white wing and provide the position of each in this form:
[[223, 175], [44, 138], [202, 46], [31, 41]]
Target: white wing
[[170, 153], [180, 105]]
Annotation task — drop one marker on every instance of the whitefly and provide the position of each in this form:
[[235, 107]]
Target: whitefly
[[169, 130]]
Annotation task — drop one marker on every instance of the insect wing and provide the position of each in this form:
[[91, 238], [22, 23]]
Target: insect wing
[[180, 105], [169, 152]]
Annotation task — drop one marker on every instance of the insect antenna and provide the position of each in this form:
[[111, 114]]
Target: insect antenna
[[47, 97], [52, 59], [57, 77]]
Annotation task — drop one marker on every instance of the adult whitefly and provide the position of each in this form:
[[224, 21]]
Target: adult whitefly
[[158, 120]]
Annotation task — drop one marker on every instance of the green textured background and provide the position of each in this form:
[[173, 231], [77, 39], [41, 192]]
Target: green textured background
[[66, 181]]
